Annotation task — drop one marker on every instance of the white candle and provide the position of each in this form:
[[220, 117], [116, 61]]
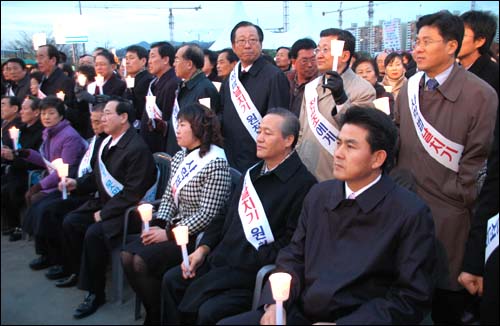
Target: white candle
[[124, 65], [99, 80], [337, 48], [388, 89], [146, 211], [280, 286], [14, 135], [60, 95], [82, 79], [205, 101], [62, 171], [182, 238], [130, 81]]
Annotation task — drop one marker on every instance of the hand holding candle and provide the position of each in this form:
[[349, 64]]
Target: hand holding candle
[[82, 79], [60, 95], [182, 239], [62, 171], [14, 135], [146, 211], [280, 286], [337, 48]]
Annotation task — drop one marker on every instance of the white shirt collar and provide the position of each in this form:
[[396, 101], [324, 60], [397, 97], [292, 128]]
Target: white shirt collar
[[441, 78], [348, 190], [113, 142]]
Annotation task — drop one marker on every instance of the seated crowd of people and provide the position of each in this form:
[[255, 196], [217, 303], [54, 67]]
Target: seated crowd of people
[[374, 183]]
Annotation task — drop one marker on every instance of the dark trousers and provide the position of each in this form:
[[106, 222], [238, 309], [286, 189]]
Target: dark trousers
[[75, 225], [13, 189], [95, 257], [293, 317], [217, 307], [448, 307]]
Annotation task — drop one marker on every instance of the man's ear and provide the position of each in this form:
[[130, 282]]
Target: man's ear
[[378, 159]]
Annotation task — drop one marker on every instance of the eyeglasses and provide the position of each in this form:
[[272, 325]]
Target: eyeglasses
[[323, 50], [305, 61], [251, 42], [425, 43]]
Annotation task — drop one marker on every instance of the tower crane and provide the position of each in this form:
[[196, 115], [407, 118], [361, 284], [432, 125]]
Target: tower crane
[[171, 18]]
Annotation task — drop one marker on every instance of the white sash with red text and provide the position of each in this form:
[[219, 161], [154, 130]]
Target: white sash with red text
[[190, 166], [323, 130], [440, 148], [252, 215], [175, 111], [248, 113]]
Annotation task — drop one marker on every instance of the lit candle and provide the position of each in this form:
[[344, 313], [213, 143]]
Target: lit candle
[[130, 81], [182, 239], [60, 95], [124, 65], [99, 80], [14, 135], [146, 211], [62, 171], [337, 48], [82, 80], [280, 286]]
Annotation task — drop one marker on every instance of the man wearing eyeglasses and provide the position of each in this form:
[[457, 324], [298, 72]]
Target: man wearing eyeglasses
[[252, 88], [304, 61], [446, 117], [325, 99]]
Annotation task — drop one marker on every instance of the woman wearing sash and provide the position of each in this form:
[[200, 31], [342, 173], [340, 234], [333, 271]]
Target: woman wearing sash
[[60, 140], [199, 188]]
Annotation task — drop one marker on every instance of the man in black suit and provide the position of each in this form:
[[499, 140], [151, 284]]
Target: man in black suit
[[123, 173]]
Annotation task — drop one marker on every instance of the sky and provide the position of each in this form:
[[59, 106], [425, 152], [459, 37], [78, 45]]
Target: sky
[[119, 23]]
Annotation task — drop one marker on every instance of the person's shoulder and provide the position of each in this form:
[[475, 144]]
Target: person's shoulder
[[406, 202]]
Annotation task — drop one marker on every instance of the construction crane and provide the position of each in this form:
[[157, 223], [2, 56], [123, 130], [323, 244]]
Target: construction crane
[[340, 10], [171, 18]]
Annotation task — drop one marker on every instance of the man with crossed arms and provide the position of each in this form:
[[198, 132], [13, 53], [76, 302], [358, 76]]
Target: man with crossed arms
[[261, 218], [252, 88], [446, 117]]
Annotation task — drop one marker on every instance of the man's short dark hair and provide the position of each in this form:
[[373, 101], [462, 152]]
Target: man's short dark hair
[[245, 24], [290, 125], [62, 57], [450, 27], [35, 102], [108, 55], [483, 24], [52, 52], [286, 48], [231, 56], [13, 100], [124, 106], [53, 101], [165, 49], [19, 61], [141, 52], [194, 53], [382, 132], [343, 35], [301, 44]]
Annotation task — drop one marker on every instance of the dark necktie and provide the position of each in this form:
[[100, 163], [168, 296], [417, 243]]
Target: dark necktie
[[432, 84], [97, 90]]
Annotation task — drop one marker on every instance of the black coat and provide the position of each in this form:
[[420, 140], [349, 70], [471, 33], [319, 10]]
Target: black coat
[[364, 261], [22, 88], [131, 163], [268, 88], [30, 137], [487, 70], [114, 86], [138, 93], [164, 90], [281, 192], [58, 81], [191, 91]]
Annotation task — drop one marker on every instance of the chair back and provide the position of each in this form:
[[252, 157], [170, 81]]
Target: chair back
[[162, 161]]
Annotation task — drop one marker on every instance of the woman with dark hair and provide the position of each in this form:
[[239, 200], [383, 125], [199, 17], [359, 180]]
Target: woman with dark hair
[[198, 189], [79, 113], [394, 73], [367, 69], [35, 81]]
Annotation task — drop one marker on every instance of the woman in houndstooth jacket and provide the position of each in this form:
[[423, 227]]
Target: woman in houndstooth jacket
[[199, 188]]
